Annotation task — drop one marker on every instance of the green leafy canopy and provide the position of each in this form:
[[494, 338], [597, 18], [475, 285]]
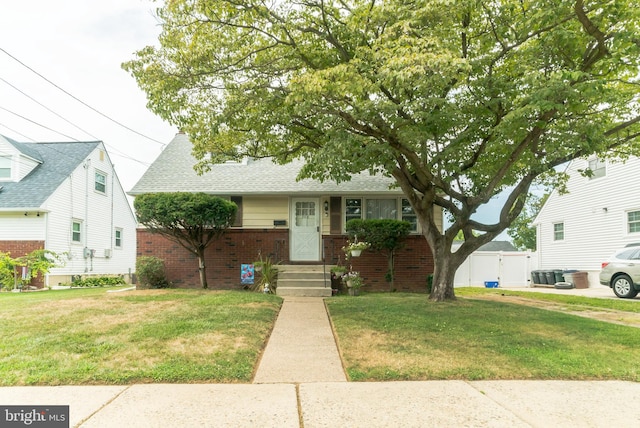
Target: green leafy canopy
[[193, 220], [458, 100]]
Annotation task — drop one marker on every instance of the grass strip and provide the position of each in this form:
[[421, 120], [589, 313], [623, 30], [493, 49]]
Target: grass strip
[[386, 337], [89, 336], [577, 301]]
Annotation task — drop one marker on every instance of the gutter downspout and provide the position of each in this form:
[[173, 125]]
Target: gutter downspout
[[86, 215]]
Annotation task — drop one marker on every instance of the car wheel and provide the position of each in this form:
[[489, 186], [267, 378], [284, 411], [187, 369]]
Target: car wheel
[[623, 287]]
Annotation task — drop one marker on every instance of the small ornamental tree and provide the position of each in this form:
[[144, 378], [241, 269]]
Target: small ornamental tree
[[192, 220], [384, 235], [38, 262]]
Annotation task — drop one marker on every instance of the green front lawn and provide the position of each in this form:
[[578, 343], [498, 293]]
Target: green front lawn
[[406, 337], [89, 336]]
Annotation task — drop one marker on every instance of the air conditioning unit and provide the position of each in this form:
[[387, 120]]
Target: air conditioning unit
[[107, 252]]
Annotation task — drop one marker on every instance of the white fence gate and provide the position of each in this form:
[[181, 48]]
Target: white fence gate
[[510, 269]]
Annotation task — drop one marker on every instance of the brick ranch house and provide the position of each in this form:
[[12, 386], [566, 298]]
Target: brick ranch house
[[290, 221]]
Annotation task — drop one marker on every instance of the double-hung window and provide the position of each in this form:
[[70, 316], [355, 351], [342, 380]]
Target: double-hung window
[[598, 168], [558, 231], [633, 221], [380, 208], [5, 167], [118, 238], [101, 182], [76, 231]]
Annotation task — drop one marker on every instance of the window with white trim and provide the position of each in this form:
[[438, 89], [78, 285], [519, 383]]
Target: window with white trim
[[5, 167], [118, 238], [598, 168], [633, 221], [380, 208], [558, 231], [352, 209], [76, 231], [408, 214], [100, 182]]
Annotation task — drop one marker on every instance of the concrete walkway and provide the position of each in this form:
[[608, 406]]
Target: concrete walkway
[[301, 347], [300, 382]]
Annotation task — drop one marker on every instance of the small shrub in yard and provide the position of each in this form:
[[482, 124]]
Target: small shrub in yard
[[151, 273], [268, 276], [99, 281]]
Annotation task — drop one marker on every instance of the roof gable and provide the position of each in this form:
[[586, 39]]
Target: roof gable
[[57, 162], [24, 148], [173, 171]]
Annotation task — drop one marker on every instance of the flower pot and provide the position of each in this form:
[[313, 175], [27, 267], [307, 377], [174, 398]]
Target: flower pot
[[335, 283], [356, 253], [349, 283]]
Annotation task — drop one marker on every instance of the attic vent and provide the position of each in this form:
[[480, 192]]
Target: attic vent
[[101, 155]]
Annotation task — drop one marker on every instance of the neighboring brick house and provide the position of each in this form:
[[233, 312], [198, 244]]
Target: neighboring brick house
[[66, 198], [292, 221]]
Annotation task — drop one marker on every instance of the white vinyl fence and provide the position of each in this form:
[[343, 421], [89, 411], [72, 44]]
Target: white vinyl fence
[[509, 269]]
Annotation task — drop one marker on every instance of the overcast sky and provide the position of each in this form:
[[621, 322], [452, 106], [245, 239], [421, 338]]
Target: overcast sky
[[79, 45]]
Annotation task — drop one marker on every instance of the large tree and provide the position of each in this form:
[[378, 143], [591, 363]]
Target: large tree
[[192, 220], [522, 231], [458, 100]]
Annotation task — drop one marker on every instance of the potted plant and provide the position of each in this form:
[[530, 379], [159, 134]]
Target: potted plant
[[354, 249], [337, 273], [353, 280]]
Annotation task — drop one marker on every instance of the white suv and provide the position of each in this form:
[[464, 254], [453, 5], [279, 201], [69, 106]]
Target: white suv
[[622, 272]]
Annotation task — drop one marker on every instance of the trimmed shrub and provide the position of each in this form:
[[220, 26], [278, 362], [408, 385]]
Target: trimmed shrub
[[151, 273], [99, 281]]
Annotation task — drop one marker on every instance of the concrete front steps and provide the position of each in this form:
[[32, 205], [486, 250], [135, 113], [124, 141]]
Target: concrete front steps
[[304, 280]]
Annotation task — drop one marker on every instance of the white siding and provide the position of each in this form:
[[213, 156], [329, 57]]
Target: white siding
[[24, 166], [18, 227], [20, 165], [100, 215], [594, 217]]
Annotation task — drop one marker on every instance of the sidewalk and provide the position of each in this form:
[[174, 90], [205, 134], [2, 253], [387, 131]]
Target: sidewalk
[[300, 383], [301, 347]]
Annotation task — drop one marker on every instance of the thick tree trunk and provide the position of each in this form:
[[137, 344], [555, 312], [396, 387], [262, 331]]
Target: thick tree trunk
[[202, 268], [446, 265], [390, 271]]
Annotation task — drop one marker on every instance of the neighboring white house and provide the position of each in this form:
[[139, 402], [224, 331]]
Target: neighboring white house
[[66, 197], [582, 228]]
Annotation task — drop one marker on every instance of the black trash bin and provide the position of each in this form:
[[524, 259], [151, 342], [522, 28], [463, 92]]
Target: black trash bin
[[550, 276], [542, 277], [535, 277], [557, 276]]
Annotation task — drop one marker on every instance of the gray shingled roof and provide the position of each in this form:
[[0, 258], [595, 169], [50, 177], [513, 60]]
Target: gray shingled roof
[[58, 160], [491, 246], [173, 171]]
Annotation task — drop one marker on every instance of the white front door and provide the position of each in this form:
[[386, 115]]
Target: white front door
[[305, 229]]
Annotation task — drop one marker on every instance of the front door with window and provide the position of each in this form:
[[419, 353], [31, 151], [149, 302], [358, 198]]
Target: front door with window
[[305, 229]]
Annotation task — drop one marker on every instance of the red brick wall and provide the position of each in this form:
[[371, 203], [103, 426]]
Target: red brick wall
[[20, 248], [412, 264], [224, 257]]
